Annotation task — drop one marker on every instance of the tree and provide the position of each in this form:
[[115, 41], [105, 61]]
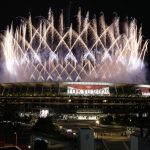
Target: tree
[[45, 125]]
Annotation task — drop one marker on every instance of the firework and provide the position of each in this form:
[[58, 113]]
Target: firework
[[91, 51]]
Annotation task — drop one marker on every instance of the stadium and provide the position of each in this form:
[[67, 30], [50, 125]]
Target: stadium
[[74, 68], [70, 97], [75, 73]]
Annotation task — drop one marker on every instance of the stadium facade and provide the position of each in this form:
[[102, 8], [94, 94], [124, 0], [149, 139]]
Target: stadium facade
[[73, 96]]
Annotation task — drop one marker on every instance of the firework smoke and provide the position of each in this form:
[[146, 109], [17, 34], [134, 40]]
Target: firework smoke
[[93, 51]]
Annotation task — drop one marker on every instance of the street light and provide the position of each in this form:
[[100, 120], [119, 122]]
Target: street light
[[16, 137], [97, 122], [29, 147], [69, 100]]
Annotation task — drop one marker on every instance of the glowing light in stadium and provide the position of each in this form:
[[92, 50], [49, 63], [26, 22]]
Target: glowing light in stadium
[[91, 51], [44, 113]]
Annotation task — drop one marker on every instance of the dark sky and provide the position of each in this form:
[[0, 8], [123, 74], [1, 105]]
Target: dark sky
[[139, 9]]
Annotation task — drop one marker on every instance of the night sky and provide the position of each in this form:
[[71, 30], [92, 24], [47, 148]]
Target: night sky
[[139, 9]]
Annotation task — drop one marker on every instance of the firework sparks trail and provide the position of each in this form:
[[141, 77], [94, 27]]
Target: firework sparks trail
[[94, 52]]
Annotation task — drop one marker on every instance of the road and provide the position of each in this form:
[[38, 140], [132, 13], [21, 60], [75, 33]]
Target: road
[[110, 132]]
